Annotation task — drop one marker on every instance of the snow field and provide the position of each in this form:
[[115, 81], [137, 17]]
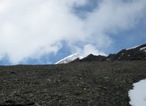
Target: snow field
[[138, 94]]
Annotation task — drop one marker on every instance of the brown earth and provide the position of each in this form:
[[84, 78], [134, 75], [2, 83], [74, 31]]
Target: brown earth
[[75, 84]]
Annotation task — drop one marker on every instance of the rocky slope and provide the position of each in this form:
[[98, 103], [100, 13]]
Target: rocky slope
[[76, 84]]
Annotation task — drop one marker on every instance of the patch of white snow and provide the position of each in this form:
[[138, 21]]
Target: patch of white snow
[[68, 59], [143, 49], [132, 47], [138, 94], [122, 54]]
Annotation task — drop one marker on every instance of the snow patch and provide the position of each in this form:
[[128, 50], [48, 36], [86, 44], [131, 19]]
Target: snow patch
[[132, 47], [122, 54], [68, 59], [143, 49], [138, 94]]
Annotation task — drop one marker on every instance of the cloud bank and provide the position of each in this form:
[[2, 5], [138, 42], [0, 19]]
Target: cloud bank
[[33, 28]]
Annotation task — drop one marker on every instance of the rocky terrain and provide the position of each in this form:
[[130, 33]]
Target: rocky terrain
[[91, 81], [74, 84]]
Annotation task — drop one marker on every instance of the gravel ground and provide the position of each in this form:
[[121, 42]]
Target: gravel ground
[[75, 84]]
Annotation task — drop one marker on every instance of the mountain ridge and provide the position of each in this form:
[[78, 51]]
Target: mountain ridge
[[130, 54]]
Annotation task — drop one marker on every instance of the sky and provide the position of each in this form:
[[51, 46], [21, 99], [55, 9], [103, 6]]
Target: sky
[[45, 31]]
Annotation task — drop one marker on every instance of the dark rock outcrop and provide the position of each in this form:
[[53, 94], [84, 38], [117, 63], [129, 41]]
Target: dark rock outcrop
[[92, 57], [137, 53]]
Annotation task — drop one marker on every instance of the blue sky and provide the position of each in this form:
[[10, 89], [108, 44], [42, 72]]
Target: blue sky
[[43, 32]]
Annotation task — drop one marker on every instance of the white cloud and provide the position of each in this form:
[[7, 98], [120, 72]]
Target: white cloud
[[87, 49], [3, 6], [32, 28]]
